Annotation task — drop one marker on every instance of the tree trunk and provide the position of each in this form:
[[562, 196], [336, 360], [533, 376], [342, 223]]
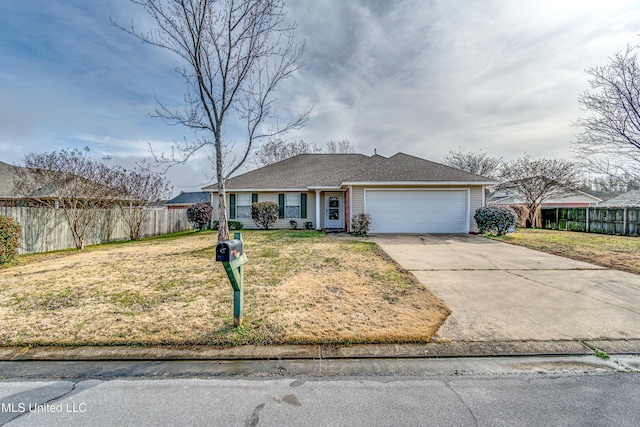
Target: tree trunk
[[531, 218], [223, 223]]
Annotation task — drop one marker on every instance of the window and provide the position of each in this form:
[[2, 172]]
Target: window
[[243, 205], [292, 205]]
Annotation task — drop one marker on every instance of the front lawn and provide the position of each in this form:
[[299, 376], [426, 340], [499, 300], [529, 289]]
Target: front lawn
[[300, 287], [617, 252]]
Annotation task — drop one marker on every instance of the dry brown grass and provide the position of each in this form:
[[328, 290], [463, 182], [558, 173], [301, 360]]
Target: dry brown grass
[[300, 287]]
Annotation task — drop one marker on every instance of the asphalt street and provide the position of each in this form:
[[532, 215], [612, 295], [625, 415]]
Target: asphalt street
[[540, 391]]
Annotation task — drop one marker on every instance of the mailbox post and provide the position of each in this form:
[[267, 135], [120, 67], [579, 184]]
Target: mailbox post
[[231, 254]]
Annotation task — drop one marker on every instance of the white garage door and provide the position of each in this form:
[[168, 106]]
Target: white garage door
[[417, 211]]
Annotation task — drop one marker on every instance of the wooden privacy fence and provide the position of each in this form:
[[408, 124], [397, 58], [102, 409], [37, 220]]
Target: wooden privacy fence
[[45, 229], [619, 221]]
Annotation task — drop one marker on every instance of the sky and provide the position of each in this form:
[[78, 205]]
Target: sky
[[416, 76]]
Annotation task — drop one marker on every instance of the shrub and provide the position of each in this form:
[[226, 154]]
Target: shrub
[[308, 225], [199, 214], [523, 214], [233, 225], [360, 224], [294, 224], [9, 238], [264, 214], [495, 219]]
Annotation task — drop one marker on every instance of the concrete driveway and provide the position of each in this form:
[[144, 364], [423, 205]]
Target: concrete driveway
[[501, 292]]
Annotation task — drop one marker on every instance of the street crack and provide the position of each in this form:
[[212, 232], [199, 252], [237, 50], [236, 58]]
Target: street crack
[[448, 385]]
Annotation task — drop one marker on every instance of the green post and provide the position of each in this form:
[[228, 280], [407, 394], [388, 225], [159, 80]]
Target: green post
[[235, 272]]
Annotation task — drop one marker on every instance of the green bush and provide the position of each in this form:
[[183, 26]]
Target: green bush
[[9, 239], [264, 214], [360, 224], [495, 219], [233, 225], [308, 225], [294, 224]]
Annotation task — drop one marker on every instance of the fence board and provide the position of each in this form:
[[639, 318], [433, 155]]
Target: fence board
[[618, 221], [45, 229]]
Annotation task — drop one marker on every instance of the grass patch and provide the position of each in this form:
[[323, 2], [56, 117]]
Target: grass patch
[[300, 287], [616, 252]]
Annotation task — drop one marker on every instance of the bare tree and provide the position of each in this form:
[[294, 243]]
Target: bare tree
[[539, 180], [611, 184], [278, 149], [477, 163], [234, 54], [343, 146], [140, 187], [610, 141], [70, 181]]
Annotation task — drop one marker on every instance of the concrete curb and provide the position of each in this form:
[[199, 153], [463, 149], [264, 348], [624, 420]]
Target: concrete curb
[[318, 352]]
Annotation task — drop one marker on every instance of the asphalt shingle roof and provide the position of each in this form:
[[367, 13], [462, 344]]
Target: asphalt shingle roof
[[315, 170], [300, 171], [630, 198], [405, 168], [190, 198]]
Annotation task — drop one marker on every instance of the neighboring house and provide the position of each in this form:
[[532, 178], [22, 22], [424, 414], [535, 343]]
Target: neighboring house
[[402, 193], [8, 175], [628, 199], [184, 200], [574, 199], [70, 185]]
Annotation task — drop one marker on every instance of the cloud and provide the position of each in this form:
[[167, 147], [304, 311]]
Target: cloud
[[412, 76], [425, 76]]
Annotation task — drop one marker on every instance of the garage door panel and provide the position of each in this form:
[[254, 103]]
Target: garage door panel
[[417, 211]]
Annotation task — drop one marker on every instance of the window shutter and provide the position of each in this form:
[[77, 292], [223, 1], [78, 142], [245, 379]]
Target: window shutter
[[232, 206], [254, 198], [303, 205], [281, 205]]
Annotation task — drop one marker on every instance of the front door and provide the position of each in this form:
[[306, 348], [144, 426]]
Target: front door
[[333, 210]]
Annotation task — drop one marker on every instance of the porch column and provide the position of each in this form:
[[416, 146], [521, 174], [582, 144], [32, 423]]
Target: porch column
[[317, 209]]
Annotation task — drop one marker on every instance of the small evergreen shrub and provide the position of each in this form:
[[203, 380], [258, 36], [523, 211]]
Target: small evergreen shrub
[[495, 219], [264, 214], [199, 214], [308, 225], [360, 224], [233, 225], [294, 224], [9, 239]]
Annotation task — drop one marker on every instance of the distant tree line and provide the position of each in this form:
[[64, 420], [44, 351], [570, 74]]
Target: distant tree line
[[278, 149]]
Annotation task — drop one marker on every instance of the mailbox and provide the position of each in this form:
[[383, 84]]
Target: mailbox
[[229, 250]]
